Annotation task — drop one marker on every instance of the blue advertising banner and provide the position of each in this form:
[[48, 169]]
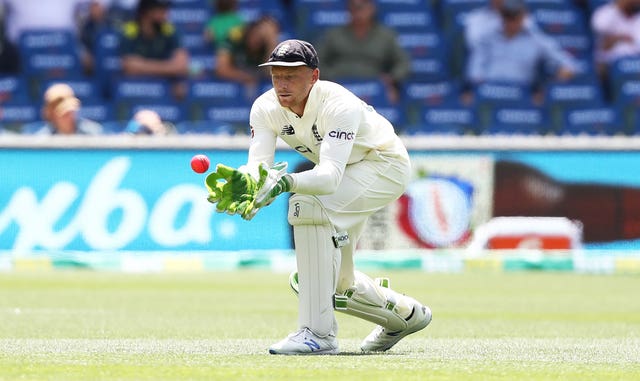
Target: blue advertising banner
[[141, 200], [149, 200]]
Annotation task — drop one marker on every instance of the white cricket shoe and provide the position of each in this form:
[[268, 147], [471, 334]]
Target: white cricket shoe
[[381, 339], [305, 342]]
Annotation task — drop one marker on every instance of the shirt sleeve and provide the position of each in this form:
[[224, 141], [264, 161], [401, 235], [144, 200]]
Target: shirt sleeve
[[335, 151], [553, 55], [263, 141]]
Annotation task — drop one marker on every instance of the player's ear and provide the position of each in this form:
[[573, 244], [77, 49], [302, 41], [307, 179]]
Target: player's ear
[[315, 75]]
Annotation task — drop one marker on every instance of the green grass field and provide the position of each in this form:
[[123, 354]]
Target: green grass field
[[218, 326]]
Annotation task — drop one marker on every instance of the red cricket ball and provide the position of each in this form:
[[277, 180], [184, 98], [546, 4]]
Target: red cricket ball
[[200, 163]]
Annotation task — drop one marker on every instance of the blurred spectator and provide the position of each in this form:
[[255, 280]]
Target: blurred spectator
[[9, 56], [90, 26], [151, 46], [60, 113], [616, 27], [226, 23], [364, 49], [148, 122], [238, 60], [22, 15], [516, 54], [487, 19]]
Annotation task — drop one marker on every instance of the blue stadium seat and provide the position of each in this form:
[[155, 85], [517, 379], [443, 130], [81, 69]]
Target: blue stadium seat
[[236, 115], [13, 88], [140, 88], [47, 41], [128, 93], [313, 18], [189, 19], [394, 114], [99, 111], [204, 93], [14, 114], [195, 43], [402, 19], [206, 127], [630, 120], [450, 118], [560, 96], [591, 121], [625, 69], [85, 88], [560, 21], [550, 4], [455, 11], [202, 65], [578, 45], [173, 112], [516, 120], [497, 92], [417, 96], [420, 43], [190, 3], [373, 92]]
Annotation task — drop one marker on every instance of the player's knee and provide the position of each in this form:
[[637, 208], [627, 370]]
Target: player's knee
[[307, 210]]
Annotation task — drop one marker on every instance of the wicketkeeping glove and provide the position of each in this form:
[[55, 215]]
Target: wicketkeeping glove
[[234, 195], [276, 181]]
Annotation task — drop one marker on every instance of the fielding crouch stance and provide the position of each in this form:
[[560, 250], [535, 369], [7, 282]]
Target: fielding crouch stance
[[360, 166]]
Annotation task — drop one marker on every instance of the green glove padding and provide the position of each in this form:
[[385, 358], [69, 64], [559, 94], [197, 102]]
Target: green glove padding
[[275, 182], [232, 191]]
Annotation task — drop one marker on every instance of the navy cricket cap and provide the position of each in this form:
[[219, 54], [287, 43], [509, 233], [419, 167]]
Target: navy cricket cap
[[293, 53]]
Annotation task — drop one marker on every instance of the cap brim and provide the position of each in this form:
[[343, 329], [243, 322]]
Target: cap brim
[[283, 63]]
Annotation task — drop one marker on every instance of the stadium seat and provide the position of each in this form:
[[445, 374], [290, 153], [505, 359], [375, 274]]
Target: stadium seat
[[313, 18], [206, 127], [591, 121], [455, 11], [168, 111], [107, 57], [373, 92], [202, 65], [85, 88], [99, 111], [578, 45], [550, 4], [236, 115], [128, 93], [402, 19], [203, 93], [49, 53], [13, 88], [516, 120], [560, 21], [189, 19], [419, 43], [14, 114], [416, 96], [560, 96], [190, 3], [195, 43], [450, 118]]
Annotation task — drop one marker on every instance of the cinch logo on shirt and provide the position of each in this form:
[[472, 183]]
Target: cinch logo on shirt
[[341, 135]]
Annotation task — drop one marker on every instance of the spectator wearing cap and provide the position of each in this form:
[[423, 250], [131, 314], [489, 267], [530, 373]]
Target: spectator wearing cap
[[487, 19], [151, 46], [516, 54], [364, 49], [60, 113]]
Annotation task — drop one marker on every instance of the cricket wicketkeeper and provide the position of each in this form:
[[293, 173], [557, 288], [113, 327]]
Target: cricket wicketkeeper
[[360, 166]]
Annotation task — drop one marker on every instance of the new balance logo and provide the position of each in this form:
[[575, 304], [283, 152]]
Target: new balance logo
[[287, 130], [312, 345]]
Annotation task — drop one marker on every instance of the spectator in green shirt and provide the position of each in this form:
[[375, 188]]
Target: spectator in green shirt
[[151, 46]]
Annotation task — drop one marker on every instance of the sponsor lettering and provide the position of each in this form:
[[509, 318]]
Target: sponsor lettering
[[64, 214], [341, 135]]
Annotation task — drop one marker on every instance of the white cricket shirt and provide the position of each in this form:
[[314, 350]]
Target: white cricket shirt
[[337, 128]]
